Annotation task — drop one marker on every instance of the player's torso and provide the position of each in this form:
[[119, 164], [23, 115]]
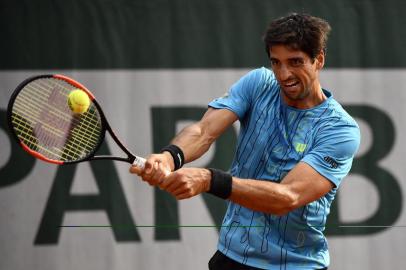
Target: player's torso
[[274, 137]]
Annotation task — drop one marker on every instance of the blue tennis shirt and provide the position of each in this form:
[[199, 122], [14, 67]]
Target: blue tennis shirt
[[273, 139]]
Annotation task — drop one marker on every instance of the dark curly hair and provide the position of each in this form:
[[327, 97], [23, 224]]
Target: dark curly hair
[[300, 32]]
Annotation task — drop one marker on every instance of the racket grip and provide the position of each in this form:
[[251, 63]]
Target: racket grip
[[139, 162]]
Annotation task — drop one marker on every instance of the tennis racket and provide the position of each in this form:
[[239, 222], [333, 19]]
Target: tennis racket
[[45, 126]]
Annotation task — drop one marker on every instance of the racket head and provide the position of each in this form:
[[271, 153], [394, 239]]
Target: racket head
[[41, 121]]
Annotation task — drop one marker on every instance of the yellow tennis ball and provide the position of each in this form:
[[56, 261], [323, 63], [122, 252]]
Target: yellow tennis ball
[[78, 101]]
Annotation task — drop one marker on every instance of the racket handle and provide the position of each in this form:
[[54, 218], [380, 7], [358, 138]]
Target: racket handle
[[139, 162]]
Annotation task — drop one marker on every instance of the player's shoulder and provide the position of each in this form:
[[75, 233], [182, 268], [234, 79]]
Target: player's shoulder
[[258, 84], [339, 116], [339, 124], [337, 127], [265, 74], [262, 74], [265, 81]]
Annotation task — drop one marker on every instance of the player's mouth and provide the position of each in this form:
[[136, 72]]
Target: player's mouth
[[291, 86]]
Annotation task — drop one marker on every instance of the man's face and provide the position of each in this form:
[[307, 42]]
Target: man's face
[[296, 73]]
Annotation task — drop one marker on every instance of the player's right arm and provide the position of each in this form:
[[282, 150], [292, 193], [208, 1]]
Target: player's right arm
[[194, 141]]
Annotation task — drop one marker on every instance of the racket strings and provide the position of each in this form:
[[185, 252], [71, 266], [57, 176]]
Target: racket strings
[[47, 137], [44, 122], [26, 134], [54, 135], [58, 125]]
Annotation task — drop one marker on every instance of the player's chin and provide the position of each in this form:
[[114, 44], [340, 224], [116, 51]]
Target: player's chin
[[297, 95], [293, 92]]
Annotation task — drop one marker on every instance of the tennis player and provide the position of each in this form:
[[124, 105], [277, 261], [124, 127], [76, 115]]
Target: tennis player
[[295, 146]]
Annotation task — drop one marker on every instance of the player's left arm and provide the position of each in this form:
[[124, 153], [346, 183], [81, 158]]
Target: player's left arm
[[300, 186]]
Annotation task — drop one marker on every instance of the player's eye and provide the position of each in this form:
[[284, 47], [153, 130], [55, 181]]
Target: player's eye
[[296, 62], [274, 62]]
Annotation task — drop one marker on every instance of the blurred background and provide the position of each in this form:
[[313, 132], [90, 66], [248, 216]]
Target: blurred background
[[154, 65]]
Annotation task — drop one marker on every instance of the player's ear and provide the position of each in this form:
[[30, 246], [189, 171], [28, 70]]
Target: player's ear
[[320, 60]]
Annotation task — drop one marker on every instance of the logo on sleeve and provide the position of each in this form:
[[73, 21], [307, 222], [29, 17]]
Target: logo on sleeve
[[331, 161]]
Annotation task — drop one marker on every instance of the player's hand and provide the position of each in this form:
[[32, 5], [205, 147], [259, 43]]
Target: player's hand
[[157, 167], [187, 182]]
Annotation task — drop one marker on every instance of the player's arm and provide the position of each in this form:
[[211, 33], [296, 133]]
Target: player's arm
[[196, 139], [193, 140], [300, 186]]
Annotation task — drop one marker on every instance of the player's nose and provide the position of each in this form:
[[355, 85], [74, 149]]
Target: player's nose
[[284, 73]]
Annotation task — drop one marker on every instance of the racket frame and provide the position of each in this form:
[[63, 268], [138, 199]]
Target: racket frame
[[105, 126]]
